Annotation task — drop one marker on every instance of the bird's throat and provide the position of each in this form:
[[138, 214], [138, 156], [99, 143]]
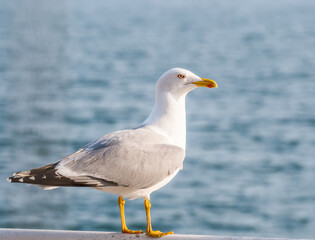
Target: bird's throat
[[168, 117]]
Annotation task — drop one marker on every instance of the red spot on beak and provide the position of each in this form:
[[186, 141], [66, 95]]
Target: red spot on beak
[[210, 86]]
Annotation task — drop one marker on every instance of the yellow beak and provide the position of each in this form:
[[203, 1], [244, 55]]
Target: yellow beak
[[206, 83]]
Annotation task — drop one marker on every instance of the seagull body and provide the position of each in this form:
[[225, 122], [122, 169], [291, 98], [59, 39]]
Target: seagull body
[[130, 163]]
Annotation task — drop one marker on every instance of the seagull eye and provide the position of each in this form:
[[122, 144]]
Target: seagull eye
[[181, 76]]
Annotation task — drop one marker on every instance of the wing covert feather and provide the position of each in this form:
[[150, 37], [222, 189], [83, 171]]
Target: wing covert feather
[[135, 158]]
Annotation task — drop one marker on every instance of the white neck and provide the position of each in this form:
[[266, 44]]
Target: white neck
[[168, 117]]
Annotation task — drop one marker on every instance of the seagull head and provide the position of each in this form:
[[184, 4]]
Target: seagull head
[[179, 82]]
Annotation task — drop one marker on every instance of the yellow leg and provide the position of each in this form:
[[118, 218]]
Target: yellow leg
[[149, 230], [124, 228]]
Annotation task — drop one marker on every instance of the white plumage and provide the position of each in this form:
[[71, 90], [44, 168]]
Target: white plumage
[[135, 162]]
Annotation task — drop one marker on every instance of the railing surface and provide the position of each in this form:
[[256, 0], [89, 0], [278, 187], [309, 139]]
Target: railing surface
[[30, 234]]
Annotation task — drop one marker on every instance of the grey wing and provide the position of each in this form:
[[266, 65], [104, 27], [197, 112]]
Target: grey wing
[[126, 160]]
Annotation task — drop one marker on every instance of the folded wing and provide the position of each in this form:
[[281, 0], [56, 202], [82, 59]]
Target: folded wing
[[138, 158]]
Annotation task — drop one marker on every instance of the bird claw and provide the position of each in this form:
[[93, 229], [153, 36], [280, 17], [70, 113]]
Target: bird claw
[[157, 233], [126, 230]]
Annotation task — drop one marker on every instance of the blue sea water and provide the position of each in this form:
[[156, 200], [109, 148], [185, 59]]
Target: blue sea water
[[72, 70]]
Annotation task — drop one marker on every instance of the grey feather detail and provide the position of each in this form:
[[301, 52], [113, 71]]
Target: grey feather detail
[[138, 158]]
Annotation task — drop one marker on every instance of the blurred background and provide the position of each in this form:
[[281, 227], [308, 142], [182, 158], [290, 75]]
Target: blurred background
[[71, 71]]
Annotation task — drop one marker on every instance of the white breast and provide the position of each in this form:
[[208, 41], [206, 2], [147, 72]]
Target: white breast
[[133, 193]]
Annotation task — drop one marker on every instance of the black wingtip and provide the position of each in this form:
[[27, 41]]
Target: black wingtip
[[15, 179]]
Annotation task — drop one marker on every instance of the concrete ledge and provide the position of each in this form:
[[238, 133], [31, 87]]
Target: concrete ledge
[[30, 234]]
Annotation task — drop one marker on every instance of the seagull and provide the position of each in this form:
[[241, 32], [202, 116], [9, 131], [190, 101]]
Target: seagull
[[131, 163]]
